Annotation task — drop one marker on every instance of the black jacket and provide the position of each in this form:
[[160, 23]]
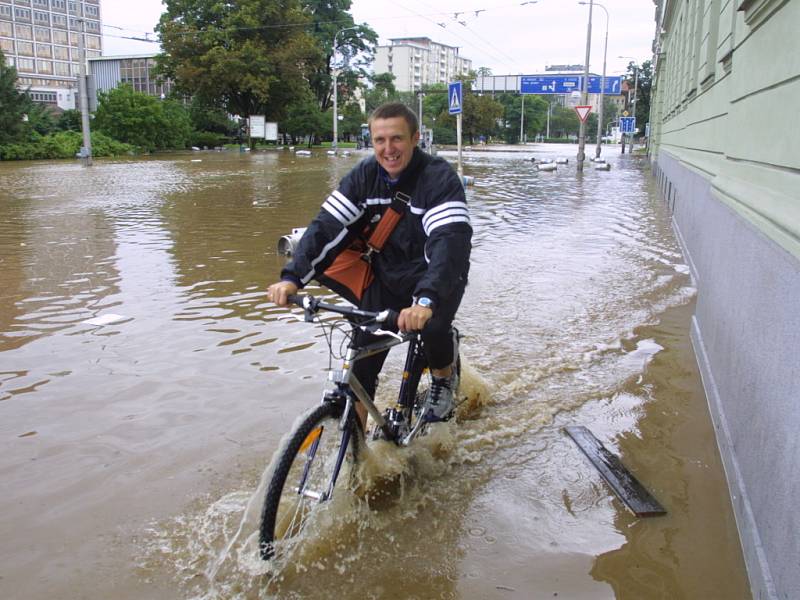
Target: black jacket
[[427, 253]]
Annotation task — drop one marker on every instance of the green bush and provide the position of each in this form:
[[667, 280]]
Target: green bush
[[64, 144], [207, 138]]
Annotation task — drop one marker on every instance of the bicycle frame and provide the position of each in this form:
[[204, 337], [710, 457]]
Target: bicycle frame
[[348, 390]]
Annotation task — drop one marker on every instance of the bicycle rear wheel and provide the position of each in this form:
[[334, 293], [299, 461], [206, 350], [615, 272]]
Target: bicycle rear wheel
[[301, 481]]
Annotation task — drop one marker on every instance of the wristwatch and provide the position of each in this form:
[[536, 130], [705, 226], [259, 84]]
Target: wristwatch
[[424, 302]]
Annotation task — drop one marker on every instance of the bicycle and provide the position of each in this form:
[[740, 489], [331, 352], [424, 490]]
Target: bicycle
[[330, 434]]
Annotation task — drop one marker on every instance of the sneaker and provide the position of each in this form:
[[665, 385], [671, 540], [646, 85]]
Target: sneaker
[[440, 401]]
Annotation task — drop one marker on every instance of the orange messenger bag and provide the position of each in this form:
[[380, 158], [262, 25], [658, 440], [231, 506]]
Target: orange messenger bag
[[351, 271]]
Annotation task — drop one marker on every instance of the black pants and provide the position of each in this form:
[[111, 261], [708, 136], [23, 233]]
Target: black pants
[[437, 336]]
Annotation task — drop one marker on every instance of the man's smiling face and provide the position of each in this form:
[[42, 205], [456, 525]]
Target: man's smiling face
[[393, 144]]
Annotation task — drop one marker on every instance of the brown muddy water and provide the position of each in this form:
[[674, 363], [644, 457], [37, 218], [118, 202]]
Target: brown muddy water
[[129, 452]]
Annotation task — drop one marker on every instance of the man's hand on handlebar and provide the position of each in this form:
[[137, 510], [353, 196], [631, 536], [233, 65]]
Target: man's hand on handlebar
[[279, 292], [414, 318]]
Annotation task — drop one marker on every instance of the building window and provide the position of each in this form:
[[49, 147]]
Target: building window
[[41, 18], [92, 11], [61, 52], [59, 37], [6, 29], [22, 14], [25, 64], [41, 3], [24, 48], [44, 51], [92, 26], [93, 42], [7, 46], [42, 34], [43, 97], [24, 32], [59, 4], [62, 69], [5, 11], [45, 66], [60, 21]]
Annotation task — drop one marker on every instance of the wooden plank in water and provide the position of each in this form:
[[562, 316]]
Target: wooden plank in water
[[622, 481]]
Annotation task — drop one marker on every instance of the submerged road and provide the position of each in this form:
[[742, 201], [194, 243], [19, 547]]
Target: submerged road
[[129, 451]]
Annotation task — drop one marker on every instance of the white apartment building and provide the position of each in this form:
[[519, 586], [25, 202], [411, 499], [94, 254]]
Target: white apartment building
[[419, 61], [40, 39]]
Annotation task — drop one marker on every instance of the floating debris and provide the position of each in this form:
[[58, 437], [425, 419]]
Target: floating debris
[[106, 319]]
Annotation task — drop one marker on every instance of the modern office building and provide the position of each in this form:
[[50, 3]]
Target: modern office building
[[40, 39], [418, 61], [137, 70], [725, 148]]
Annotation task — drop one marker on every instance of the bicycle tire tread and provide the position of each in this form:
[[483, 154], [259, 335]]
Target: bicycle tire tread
[[278, 480]]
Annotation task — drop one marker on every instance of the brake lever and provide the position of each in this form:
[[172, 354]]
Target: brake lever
[[380, 331]]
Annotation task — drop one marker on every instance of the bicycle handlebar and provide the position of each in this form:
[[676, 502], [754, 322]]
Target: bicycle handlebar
[[312, 306]]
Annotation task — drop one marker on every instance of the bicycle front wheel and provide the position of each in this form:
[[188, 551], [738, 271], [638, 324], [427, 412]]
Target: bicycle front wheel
[[305, 474]]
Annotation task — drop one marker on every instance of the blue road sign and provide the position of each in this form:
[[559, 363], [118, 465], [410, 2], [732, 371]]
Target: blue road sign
[[613, 85], [549, 84], [455, 97], [627, 124]]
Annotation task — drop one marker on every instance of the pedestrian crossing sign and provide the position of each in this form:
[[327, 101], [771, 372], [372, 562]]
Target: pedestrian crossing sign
[[455, 97]]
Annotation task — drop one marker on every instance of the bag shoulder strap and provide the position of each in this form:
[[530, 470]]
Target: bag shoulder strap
[[389, 220], [391, 217]]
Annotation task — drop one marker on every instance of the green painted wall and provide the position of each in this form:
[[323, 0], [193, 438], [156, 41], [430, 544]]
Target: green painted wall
[[726, 93]]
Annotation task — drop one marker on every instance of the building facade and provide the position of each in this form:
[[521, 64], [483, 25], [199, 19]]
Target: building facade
[[726, 152], [137, 70], [40, 39], [417, 62]]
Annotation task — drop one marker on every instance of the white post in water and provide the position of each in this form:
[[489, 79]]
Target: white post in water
[[458, 134]]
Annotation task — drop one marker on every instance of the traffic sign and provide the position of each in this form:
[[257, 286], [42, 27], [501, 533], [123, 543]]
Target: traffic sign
[[549, 84], [627, 124], [612, 86], [455, 97], [583, 112]]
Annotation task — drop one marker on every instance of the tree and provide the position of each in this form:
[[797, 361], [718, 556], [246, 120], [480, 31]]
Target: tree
[[14, 105], [70, 120], [643, 87], [141, 120], [480, 115], [353, 52], [40, 119], [248, 57], [206, 117], [382, 90], [305, 119]]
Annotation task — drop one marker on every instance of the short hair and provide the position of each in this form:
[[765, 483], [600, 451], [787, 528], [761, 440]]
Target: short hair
[[390, 110]]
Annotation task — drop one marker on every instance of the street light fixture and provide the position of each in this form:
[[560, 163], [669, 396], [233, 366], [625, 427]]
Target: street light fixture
[[602, 87], [335, 88]]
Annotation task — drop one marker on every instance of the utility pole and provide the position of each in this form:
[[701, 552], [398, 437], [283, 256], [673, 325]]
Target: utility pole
[[635, 94], [585, 95], [522, 121], [602, 91], [86, 151]]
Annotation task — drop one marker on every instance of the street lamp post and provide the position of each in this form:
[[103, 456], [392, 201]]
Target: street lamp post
[[602, 87], [585, 94], [86, 150], [635, 94], [336, 90]]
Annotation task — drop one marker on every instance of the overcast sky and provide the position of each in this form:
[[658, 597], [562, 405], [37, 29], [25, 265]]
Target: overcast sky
[[509, 37]]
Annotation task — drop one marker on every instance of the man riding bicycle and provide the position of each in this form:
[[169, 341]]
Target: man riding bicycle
[[420, 271]]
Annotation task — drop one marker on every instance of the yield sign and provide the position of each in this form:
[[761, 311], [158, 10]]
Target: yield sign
[[583, 112]]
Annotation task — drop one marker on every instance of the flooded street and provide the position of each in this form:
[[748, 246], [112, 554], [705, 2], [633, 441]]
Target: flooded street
[[129, 452]]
